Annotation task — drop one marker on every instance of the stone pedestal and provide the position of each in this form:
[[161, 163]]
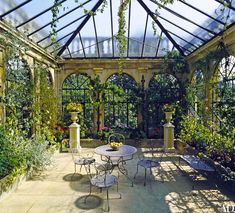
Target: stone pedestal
[[169, 137], [74, 136]]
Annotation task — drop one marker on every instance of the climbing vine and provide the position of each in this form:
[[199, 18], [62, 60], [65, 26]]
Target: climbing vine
[[120, 36], [175, 62]]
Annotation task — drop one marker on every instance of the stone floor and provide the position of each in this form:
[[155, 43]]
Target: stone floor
[[169, 190]]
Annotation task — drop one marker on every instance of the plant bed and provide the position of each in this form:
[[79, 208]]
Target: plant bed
[[91, 143], [224, 175], [18, 175], [10, 183], [191, 150]]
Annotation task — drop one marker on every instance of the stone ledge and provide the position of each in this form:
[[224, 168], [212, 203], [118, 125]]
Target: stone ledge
[[12, 187], [18, 181]]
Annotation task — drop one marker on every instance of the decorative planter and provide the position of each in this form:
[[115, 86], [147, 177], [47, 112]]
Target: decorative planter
[[168, 116], [180, 146], [74, 116]]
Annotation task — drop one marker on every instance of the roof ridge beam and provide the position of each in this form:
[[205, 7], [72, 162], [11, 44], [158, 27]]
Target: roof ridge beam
[[182, 28], [161, 26], [182, 39], [80, 27], [48, 36], [59, 40]]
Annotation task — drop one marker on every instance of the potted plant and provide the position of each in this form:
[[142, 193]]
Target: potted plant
[[74, 108], [180, 146], [169, 108]]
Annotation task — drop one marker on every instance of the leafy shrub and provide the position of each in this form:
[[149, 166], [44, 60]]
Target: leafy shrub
[[208, 138], [37, 154], [104, 133], [137, 134], [18, 153]]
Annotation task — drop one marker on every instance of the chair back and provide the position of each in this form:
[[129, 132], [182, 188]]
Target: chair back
[[77, 154], [116, 137], [99, 175], [95, 170], [148, 150]]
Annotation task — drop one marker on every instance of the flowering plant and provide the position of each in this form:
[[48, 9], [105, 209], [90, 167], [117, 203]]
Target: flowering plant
[[169, 108], [59, 131], [104, 133], [74, 107]]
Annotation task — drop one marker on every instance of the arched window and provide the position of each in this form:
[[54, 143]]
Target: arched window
[[76, 88], [121, 101], [224, 92], [197, 92], [19, 93], [49, 78], [226, 79], [163, 89]]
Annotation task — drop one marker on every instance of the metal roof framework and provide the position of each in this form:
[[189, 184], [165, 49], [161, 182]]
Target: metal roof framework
[[75, 42]]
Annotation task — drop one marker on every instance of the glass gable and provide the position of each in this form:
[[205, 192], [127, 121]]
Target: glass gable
[[185, 25]]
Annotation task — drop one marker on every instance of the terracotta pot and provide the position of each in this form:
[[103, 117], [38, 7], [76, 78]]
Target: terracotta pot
[[180, 146]]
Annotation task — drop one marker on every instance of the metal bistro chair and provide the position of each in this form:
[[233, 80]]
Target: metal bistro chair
[[101, 179], [80, 160], [147, 163]]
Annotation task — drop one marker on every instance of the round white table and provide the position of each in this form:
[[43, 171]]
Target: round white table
[[123, 151], [123, 154]]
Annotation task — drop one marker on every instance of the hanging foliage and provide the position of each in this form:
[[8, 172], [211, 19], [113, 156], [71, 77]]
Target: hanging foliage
[[175, 63], [120, 36], [45, 110]]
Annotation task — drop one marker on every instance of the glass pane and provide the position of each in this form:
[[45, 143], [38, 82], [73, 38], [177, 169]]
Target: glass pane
[[71, 11]]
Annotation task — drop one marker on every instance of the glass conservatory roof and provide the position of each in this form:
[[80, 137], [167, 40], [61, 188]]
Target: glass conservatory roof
[[185, 25]]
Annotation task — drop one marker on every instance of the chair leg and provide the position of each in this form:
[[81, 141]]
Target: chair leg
[[88, 195], [136, 171], [108, 199], [119, 192], [145, 176]]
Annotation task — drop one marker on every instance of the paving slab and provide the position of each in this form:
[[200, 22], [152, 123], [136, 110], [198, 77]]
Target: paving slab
[[58, 189]]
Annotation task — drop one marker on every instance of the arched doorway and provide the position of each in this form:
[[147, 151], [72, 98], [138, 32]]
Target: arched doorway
[[163, 89], [121, 101], [76, 88], [197, 93], [223, 96], [19, 94]]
